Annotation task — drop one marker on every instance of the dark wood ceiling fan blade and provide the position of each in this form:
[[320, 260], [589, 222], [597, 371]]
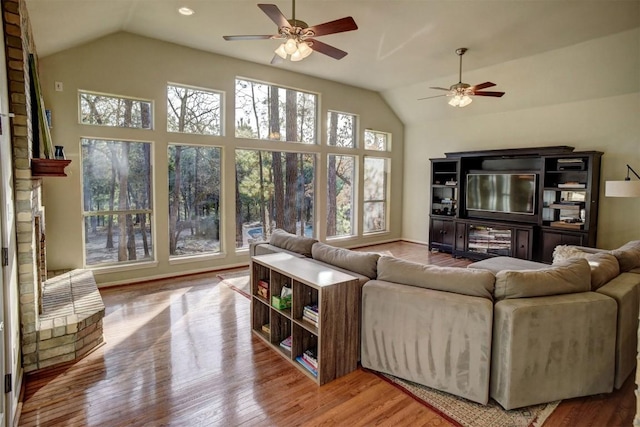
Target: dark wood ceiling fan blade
[[326, 49], [496, 94], [272, 11], [482, 86], [439, 88], [337, 26], [434, 96], [256, 37]]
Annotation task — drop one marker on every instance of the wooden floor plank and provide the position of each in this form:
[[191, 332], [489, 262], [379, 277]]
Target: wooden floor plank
[[180, 352]]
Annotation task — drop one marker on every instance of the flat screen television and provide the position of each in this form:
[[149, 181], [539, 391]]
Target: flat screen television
[[512, 193]]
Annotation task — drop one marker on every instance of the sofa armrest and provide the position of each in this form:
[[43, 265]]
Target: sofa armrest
[[435, 338], [253, 246], [590, 250], [624, 290], [551, 348]]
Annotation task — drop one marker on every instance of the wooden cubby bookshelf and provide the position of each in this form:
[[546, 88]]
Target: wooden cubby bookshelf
[[337, 295]]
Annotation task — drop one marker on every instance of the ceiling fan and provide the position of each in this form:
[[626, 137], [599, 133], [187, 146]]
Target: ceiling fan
[[298, 37], [461, 92]]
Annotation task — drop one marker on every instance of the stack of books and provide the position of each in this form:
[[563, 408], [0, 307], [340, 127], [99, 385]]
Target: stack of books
[[286, 343], [266, 328], [263, 289], [310, 314], [309, 361]]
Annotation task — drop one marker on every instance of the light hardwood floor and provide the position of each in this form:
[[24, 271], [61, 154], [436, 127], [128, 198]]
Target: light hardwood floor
[[180, 352]]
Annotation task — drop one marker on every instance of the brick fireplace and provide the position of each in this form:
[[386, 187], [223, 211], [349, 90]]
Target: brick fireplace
[[60, 318]]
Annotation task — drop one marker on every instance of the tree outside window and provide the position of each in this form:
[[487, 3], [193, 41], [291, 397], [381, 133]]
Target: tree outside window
[[270, 112], [115, 111], [116, 187], [193, 110], [341, 176], [194, 199], [273, 190], [375, 194], [374, 140]]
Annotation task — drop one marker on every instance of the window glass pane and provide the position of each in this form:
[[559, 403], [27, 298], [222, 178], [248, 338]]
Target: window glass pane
[[116, 191], [194, 200], [374, 217], [340, 195], [376, 140], [111, 110], [274, 190], [265, 111], [104, 245], [341, 129], [191, 110], [375, 194]]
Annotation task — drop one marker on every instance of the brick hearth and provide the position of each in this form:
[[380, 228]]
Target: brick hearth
[[70, 324]]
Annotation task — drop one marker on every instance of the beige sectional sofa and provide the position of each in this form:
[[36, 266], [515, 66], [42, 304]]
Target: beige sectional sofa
[[519, 332]]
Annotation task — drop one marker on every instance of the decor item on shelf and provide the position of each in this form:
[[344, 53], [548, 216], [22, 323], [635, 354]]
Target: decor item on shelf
[[626, 188], [461, 93], [298, 37], [59, 153]]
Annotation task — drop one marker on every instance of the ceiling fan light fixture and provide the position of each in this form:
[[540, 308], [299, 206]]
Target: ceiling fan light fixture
[[304, 49], [290, 46], [460, 101], [281, 52], [296, 56]]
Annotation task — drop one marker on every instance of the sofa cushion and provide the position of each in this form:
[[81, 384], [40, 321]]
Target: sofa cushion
[[628, 255], [564, 252], [465, 281], [363, 263], [569, 277], [604, 266], [291, 242]]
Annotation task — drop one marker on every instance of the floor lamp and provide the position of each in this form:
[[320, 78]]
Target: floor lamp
[[626, 188]]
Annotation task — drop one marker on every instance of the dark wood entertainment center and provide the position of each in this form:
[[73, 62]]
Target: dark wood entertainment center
[[515, 202]]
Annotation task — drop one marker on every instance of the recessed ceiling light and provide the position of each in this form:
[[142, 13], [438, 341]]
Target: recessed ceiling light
[[186, 11]]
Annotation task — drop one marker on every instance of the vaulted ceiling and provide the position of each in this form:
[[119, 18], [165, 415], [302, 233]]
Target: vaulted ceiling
[[398, 43]]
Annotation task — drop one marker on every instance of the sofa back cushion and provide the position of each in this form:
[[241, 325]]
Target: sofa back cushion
[[291, 242], [569, 277], [604, 266], [465, 281], [364, 263], [628, 255]]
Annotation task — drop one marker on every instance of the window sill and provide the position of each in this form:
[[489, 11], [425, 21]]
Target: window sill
[[123, 267], [185, 259]]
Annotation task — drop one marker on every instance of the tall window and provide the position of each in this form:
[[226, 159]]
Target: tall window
[[194, 110], [273, 190], [117, 206], [265, 111], [374, 140], [194, 199], [341, 175], [341, 129], [116, 111], [375, 194]]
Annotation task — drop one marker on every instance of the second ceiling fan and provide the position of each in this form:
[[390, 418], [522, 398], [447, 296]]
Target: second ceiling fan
[[298, 37], [461, 93]]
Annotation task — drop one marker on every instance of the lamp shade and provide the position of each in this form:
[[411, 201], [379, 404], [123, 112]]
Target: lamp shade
[[622, 188]]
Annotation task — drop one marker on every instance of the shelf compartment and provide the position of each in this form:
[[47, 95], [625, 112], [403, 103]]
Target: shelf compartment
[[280, 330], [260, 316]]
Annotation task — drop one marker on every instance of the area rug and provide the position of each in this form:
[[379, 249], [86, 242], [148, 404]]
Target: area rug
[[465, 413], [238, 281]]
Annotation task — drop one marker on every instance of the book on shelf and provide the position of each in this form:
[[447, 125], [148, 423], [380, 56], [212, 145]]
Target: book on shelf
[[307, 366], [572, 184], [310, 356], [266, 328], [568, 225], [286, 343]]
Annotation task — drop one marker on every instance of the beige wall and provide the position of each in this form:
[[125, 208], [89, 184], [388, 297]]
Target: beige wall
[[140, 67], [586, 96]]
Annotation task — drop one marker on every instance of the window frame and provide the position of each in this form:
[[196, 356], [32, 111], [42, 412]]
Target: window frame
[[116, 96], [220, 93]]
